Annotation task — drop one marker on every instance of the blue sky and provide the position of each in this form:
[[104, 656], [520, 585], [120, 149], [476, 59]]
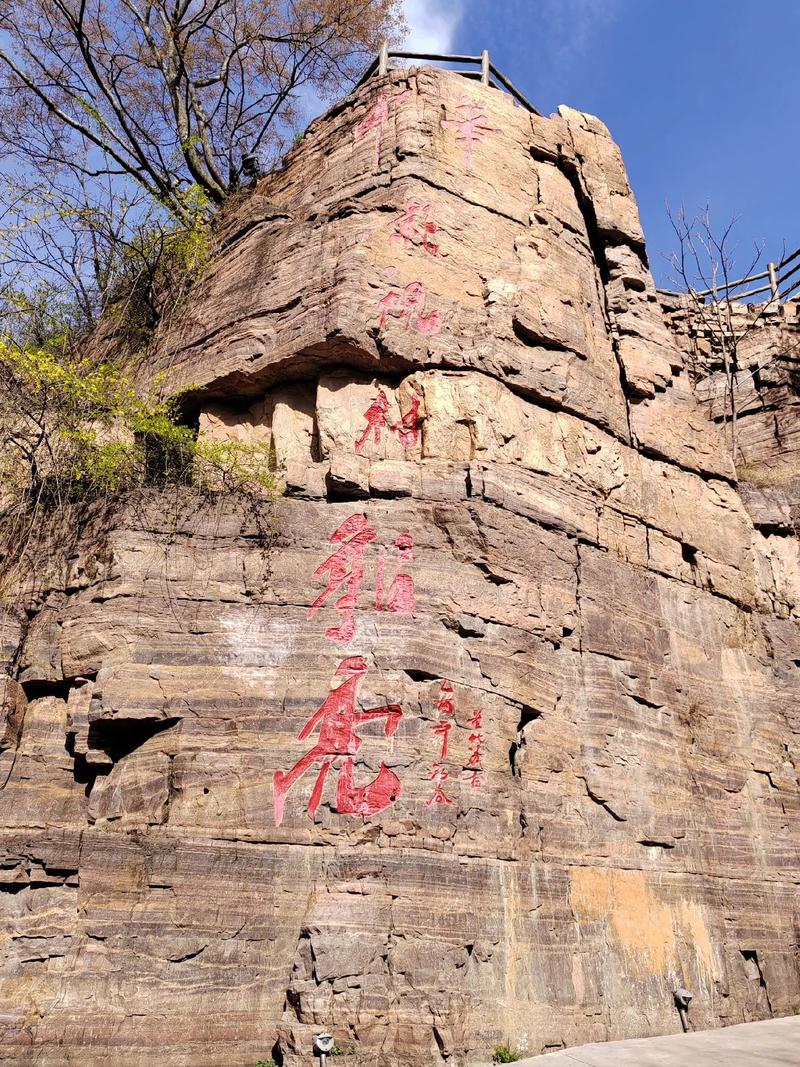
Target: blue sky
[[702, 96]]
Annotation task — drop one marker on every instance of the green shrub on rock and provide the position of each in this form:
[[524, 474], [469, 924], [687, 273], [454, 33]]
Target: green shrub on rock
[[505, 1054]]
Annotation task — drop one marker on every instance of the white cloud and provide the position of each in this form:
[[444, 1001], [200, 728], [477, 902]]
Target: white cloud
[[571, 26], [568, 31], [432, 24]]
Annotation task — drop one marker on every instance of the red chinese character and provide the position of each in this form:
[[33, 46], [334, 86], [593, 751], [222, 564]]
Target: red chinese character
[[442, 729], [400, 598], [376, 119], [477, 718], [410, 228], [470, 124], [344, 567], [439, 775], [474, 778], [338, 741], [376, 420], [445, 702], [407, 429], [409, 307], [476, 751]]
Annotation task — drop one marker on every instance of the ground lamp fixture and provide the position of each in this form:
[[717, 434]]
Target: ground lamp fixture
[[323, 1044], [683, 999], [251, 166]]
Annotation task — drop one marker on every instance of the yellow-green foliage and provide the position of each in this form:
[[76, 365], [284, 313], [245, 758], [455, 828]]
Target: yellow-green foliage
[[177, 246], [191, 243], [70, 428], [505, 1054]]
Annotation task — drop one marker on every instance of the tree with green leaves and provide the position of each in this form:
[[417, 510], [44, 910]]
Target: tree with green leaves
[[124, 125], [172, 93]]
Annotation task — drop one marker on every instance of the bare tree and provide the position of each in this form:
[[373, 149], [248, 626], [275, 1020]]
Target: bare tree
[[77, 252], [171, 93], [68, 248], [124, 123], [703, 266]]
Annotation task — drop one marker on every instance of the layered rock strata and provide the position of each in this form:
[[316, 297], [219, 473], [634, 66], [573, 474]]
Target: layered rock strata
[[766, 379], [485, 730]]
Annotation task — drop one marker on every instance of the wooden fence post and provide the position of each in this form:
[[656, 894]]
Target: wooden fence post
[[773, 281]]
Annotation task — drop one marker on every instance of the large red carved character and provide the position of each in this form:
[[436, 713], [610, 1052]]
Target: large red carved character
[[344, 568], [410, 227], [376, 420], [400, 597], [376, 119], [409, 307], [337, 719], [470, 124], [407, 429]]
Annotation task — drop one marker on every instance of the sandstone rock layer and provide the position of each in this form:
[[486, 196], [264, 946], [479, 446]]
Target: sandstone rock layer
[[487, 729]]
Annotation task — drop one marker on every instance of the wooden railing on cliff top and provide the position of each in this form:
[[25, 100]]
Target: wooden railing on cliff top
[[487, 75], [775, 276]]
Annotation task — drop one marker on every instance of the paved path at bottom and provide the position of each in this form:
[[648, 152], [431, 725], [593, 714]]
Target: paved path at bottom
[[774, 1043]]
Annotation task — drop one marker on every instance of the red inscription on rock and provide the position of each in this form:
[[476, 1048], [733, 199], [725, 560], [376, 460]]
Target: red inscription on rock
[[376, 119], [338, 743], [470, 124], [442, 730], [474, 769], [439, 775], [407, 429], [445, 705], [408, 305], [416, 225], [400, 597], [345, 568], [446, 708], [376, 420]]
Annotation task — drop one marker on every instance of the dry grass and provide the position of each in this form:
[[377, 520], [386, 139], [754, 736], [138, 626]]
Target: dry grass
[[774, 475]]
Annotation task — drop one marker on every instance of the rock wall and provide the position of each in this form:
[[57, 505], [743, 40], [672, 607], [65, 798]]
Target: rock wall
[[766, 400], [766, 389], [485, 730]]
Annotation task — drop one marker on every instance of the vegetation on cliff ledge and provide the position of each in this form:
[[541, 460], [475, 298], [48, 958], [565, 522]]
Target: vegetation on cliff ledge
[[124, 128], [71, 429], [123, 131], [74, 431]]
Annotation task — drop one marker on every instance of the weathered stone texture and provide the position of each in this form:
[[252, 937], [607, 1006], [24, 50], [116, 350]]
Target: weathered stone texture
[[452, 345], [766, 392]]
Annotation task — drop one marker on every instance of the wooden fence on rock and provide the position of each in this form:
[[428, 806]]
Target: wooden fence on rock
[[487, 75], [776, 277]]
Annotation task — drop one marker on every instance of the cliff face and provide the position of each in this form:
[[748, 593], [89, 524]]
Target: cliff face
[[486, 729], [766, 386]]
